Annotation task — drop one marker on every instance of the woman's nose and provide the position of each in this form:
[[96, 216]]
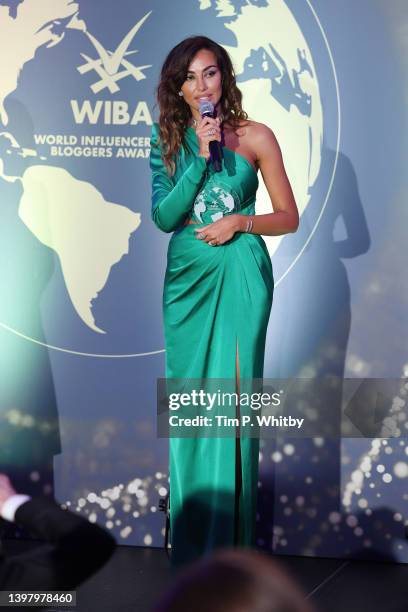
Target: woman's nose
[[201, 84]]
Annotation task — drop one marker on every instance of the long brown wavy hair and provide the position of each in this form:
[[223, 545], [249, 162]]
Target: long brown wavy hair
[[175, 114]]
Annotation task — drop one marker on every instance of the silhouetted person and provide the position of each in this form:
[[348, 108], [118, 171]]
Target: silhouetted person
[[74, 548], [240, 580]]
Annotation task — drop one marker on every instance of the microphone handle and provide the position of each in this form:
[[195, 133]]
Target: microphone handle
[[215, 149], [216, 155]]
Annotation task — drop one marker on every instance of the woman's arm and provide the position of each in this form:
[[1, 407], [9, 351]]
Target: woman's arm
[[285, 217], [171, 202]]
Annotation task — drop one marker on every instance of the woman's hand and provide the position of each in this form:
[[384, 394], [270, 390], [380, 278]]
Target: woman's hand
[[207, 129], [220, 231]]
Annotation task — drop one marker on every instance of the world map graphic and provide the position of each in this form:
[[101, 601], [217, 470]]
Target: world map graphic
[[90, 232]]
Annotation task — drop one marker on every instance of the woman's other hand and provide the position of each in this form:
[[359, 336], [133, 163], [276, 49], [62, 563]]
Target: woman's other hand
[[221, 231]]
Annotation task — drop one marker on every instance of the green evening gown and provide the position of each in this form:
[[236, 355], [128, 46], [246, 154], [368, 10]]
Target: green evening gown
[[216, 299]]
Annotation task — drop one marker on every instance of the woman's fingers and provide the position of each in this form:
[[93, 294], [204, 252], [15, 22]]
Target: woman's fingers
[[202, 234], [208, 121], [209, 129], [208, 238], [217, 233]]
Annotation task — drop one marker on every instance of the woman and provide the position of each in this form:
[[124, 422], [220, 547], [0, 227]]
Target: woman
[[218, 286]]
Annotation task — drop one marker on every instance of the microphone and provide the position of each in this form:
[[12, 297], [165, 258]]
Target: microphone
[[207, 110]]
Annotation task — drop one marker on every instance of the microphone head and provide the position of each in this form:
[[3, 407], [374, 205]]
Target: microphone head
[[206, 108]]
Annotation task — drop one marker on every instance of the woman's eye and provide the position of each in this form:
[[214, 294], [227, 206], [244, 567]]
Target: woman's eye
[[190, 77]]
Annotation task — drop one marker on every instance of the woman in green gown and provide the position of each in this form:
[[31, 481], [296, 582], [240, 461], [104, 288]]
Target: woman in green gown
[[218, 285]]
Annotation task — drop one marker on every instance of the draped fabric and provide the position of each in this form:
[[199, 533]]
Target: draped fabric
[[216, 303]]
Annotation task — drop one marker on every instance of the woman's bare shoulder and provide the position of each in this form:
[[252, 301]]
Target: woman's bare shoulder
[[263, 141], [254, 131], [259, 130]]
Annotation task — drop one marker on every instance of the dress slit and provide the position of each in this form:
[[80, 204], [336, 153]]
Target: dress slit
[[238, 462]]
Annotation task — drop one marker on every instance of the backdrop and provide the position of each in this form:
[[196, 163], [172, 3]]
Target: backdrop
[[82, 264]]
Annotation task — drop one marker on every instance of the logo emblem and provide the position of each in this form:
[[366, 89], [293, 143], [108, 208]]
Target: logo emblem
[[215, 201], [112, 66]]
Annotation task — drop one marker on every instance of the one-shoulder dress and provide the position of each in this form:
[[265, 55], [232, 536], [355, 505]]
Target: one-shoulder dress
[[216, 303]]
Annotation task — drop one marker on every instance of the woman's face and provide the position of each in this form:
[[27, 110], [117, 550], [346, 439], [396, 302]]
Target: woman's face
[[203, 81]]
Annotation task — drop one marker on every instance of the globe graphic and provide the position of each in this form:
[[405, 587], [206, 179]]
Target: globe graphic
[[218, 200], [82, 264]]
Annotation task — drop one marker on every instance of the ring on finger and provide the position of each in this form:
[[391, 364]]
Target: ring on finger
[[211, 132]]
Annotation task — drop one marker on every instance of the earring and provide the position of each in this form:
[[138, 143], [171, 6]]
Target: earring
[[180, 93]]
